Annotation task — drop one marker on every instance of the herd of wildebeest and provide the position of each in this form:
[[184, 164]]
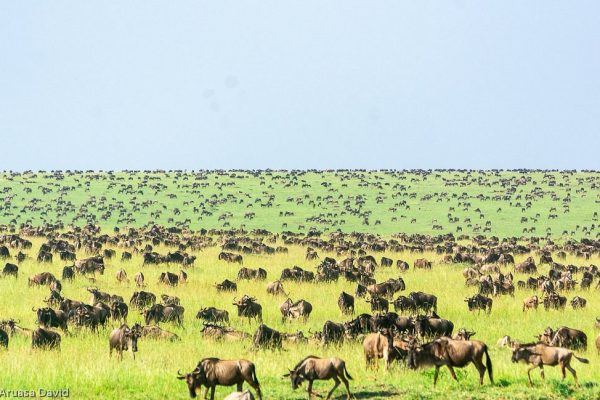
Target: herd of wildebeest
[[412, 335]]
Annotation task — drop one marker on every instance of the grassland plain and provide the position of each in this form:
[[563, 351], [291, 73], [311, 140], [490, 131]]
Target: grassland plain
[[501, 203], [83, 364]]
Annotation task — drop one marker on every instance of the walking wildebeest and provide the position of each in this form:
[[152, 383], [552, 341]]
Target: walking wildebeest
[[159, 313], [266, 338], [540, 354], [314, 368], [451, 353], [213, 372], [142, 299], [45, 339], [479, 302], [248, 307], [49, 318], [212, 314], [10, 270], [276, 288], [121, 338], [346, 303], [139, 279], [294, 310]]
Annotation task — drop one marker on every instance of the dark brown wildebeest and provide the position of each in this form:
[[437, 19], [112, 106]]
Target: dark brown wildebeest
[[295, 310], [49, 318], [554, 301], [526, 267], [422, 263], [531, 303], [403, 303], [213, 372], [539, 355], [451, 353], [361, 290], [142, 299], [10, 270], [166, 300], [569, 338], [386, 289], [311, 254], [212, 314], [3, 338], [248, 307], [122, 276], [169, 278], [479, 302], [45, 339], [402, 265], [578, 302], [54, 299], [266, 338], [231, 257], [424, 301], [219, 332], [379, 304], [43, 278], [159, 313], [433, 326], [98, 296], [126, 256], [333, 333], [463, 334], [155, 332], [249, 274], [276, 288], [119, 311], [44, 256], [386, 262], [121, 338], [226, 286], [139, 279], [346, 303], [314, 368], [90, 266], [68, 273]]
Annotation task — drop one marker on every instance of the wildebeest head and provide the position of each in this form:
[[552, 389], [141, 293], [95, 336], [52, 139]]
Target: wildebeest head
[[133, 334], [296, 378], [194, 380], [522, 353]]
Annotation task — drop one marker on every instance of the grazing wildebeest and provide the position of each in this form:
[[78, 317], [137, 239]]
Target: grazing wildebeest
[[249, 273], [45, 339], [212, 314], [569, 338], [346, 303], [378, 345], [361, 290], [314, 368], [159, 313], [139, 279], [404, 303], [121, 338], [424, 301], [248, 307], [166, 300], [226, 286], [379, 304], [126, 256], [3, 339], [386, 262], [266, 338], [231, 257], [169, 278], [531, 303], [122, 276], [98, 296], [333, 332], [295, 310], [155, 332], [10, 270], [451, 353], [68, 273], [578, 302], [119, 311], [479, 302], [540, 354], [142, 299], [43, 278], [422, 263], [433, 326], [213, 372], [276, 288], [387, 288]]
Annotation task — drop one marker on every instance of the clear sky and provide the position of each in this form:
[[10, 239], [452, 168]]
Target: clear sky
[[299, 84]]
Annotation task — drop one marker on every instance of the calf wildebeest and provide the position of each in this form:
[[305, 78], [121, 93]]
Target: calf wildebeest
[[139, 279], [159, 313], [540, 354], [212, 314], [479, 302], [155, 332], [3, 338], [49, 318], [554, 301], [245, 395], [213, 372], [142, 299], [346, 303], [451, 353], [119, 311], [226, 286], [10, 270], [68, 273], [166, 300], [314, 368], [45, 339], [121, 338], [248, 307], [122, 276], [382, 345], [295, 310], [276, 288], [531, 303], [266, 338]]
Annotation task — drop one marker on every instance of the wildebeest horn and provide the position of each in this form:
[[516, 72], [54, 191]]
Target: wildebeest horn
[[34, 309]]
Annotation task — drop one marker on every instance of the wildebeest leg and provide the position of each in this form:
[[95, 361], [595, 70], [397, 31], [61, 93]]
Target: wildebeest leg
[[239, 387], [573, 373], [529, 374], [212, 392], [562, 370], [480, 368], [337, 383], [435, 375], [343, 378], [452, 373], [542, 371]]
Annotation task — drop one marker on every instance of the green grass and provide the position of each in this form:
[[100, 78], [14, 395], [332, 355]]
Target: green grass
[[84, 367], [402, 201]]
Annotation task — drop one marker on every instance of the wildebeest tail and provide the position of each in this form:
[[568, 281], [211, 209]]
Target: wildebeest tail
[[254, 377], [581, 359], [488, 364], [346, 372]]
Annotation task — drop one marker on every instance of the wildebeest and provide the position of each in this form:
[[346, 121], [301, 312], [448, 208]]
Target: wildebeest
[[122, 338], [422, 263], [43, 278], [379, 304], [540, 354], [122, 276], [119, 311], [139, 279], [361, 290], [531, 303], [166, 300], [98, 296], [294, 310], [382, 345], [142, 299], [247, 307], [90, 266], [231, 257], [386, 289], [212, 314], [45, 339], [3, 338], [314, 368], [346, 303], [266, 338], [50, 318], [155, 332], [333, 332], [451, 353], [54, 299], [424, 301], [569, 338], [554, 301], [276, 288], [159, 313], [169, 278], [433, 326], [479, 302], [219, 332], [404, 303], [68, 273], [245, 395], [10, 270], [226, 286], [213, 372], [249, 273], [578, 302]]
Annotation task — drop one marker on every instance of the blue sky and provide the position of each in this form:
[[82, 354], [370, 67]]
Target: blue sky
[[299, 84]]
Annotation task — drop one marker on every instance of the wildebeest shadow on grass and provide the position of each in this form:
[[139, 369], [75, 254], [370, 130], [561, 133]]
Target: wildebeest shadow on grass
[[373, 394]]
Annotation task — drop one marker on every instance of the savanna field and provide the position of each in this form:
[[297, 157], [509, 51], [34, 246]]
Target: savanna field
[[541, 210]]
